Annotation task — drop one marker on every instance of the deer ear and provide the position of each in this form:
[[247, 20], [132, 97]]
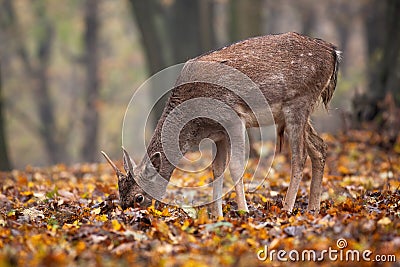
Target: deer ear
[[156, 160], [129, 164], [153, 165]]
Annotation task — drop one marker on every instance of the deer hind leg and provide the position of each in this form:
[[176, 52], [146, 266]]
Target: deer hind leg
[[218, 167], [295, 121], [237, 163], [316, 149]]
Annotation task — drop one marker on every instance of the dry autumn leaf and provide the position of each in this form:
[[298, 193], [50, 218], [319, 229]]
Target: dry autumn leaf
[[54, 217]]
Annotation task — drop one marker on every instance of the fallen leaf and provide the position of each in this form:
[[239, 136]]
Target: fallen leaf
[[385, 221]]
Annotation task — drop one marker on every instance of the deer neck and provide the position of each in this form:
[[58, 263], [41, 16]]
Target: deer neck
[[186, 141]]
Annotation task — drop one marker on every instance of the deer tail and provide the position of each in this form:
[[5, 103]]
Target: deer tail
[[329, 89]]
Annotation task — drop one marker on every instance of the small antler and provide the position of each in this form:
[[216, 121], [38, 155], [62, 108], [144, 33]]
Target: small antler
[[118, 172], [128, 162]]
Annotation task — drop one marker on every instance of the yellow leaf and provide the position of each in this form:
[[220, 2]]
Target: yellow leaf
[[226, 208], [193, 262], [203, 216], [11, 213], [153, 211], [264, 199], [185, 225], [90, 187], [116, 225], [102, 218]]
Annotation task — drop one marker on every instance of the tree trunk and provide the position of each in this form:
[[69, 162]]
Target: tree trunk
[[91, 93], [173, 33], [49, 132], [151, 26], [154, 32], [389, 75], [383, 40], [378, 38], [183, 18], [206, 23], [245, 19], [36, 68], [4, 159], [245, 22]]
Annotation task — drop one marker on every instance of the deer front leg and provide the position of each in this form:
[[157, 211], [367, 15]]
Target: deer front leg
[[218, 167], [295, 125], [237, 163], [316, 149]]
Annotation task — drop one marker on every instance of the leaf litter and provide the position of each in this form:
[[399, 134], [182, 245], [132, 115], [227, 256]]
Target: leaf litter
[[70, 216]]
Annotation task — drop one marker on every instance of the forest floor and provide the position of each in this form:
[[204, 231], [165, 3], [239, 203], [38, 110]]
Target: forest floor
[[69, 216]]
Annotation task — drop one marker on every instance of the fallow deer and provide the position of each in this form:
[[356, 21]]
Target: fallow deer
[[292, 71]]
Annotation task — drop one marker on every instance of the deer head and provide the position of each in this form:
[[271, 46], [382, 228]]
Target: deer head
[[130, 193]]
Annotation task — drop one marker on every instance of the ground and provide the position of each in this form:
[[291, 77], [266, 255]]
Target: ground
[[68, 216]]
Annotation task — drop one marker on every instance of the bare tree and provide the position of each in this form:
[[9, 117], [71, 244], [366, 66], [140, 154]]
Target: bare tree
[[5, 164], [48, 130], [5, 21], [52, 132], [383, 43], [36, 67], [91, 92], [383, 39], [388, 79]]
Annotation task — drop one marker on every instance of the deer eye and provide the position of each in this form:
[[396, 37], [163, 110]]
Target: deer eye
[[139, 198]]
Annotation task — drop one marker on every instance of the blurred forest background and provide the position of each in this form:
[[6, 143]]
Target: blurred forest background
[[68, 68]]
